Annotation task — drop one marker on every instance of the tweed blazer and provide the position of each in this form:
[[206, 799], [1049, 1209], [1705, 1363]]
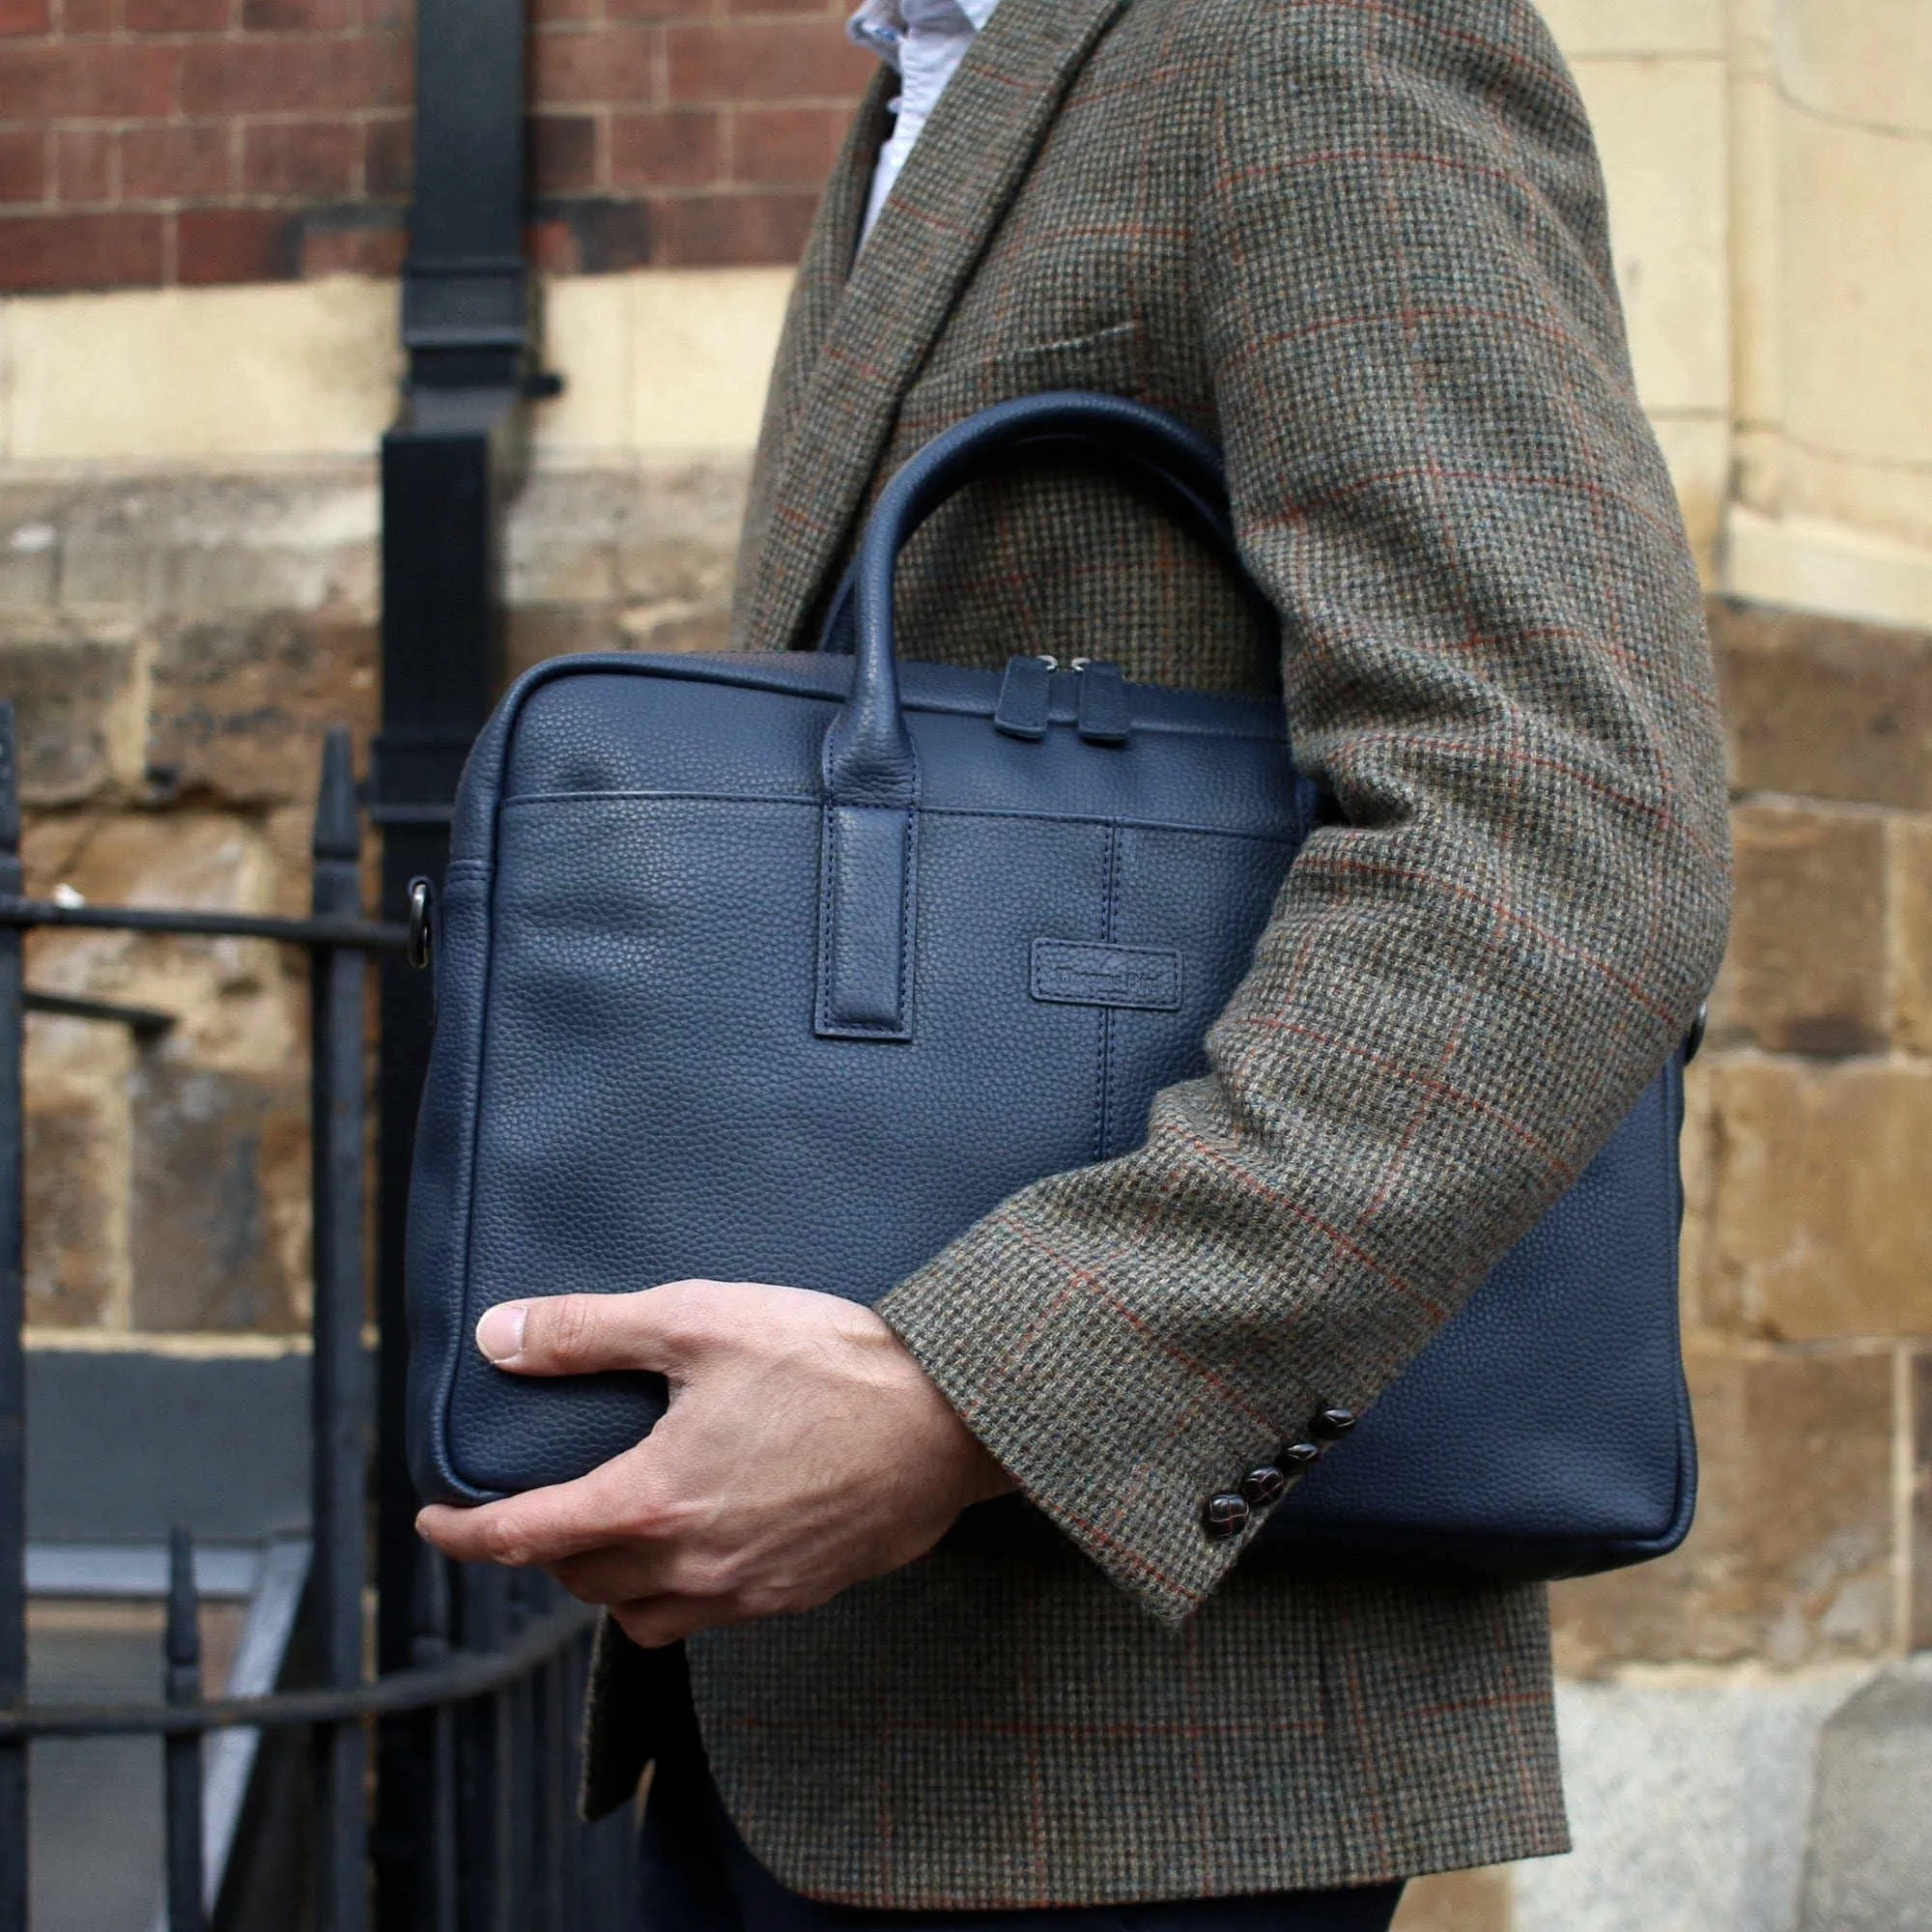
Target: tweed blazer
[[1362, 243]]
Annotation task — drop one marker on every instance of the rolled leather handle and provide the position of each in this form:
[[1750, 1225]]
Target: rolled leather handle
[[1193, 494], [869, 756]]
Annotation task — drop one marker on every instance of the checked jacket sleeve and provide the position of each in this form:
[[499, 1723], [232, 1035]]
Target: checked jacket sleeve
[[1494, 659]]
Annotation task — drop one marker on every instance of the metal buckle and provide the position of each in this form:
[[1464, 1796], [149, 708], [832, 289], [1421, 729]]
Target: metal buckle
[[422, 923]]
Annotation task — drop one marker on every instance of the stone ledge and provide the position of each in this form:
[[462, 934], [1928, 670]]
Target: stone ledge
[[654, 361], [1689, 1794], [1868, 1859], [179, 546]]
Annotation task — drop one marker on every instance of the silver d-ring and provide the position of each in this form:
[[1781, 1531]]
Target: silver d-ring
[[422, 923]]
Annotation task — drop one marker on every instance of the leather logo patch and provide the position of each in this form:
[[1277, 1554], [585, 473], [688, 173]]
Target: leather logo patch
[[1071, 973]]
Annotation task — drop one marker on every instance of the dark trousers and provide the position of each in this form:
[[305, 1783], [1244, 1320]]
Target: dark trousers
[[697, 1876]]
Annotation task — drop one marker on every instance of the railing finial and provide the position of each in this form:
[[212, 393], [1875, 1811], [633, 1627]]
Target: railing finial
[[338, 817], [10, 783], [181, 1755], [182, 1641]]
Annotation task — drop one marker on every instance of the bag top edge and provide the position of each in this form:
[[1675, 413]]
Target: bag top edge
[[953, 689]]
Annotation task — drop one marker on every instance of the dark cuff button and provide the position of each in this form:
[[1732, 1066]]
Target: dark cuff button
[[1226, 1515], [1330, 1422], [1298, 1456], [1263, 1486]]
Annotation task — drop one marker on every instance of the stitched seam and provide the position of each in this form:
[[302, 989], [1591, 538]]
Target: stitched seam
[[1112, 824], [693, 671], [907, 887], [827, 917], [445, 1394], [1110, 900], [661, 798], [995, 814], [1670, 1132]]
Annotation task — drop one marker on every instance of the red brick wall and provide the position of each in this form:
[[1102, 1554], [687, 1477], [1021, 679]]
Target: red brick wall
[[145, 142]]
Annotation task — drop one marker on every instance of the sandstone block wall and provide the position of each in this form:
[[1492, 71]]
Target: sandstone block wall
[[176, 646], [187, 596], [1808, 1253], [170, 753]]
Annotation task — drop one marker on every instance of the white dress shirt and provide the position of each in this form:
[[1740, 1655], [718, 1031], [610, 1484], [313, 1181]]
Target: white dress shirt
[[926, 40]]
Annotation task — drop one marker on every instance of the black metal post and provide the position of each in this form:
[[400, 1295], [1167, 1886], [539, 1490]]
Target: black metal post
[[552, 1821], [482, 1754], [554, 1827], [497, 1848], [13, 1361], [572, 1884], [519, 1787], [465, 288], [339, 1420], [181, 1753], [432, 1650], [450, 463]]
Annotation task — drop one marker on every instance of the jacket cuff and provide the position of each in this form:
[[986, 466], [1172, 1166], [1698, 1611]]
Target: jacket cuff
[[1126, 1441]]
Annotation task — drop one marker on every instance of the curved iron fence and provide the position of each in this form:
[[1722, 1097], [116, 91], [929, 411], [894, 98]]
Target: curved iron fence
[[499, 1663]]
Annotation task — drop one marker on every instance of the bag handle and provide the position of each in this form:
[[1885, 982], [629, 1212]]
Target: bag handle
[[1196, 501], [868, 851], [868, 758]]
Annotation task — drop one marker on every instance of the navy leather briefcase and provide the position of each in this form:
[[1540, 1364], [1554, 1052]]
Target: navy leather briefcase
[[790, 968]]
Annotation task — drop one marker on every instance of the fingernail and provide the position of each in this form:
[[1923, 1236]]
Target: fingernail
[[500, 1332]]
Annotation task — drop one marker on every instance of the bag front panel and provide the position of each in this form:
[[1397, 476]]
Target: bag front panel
[[626, 1089], [655, 1103]]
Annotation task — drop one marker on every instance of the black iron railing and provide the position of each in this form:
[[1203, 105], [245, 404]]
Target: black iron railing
[[450, 462], [496, 1671]]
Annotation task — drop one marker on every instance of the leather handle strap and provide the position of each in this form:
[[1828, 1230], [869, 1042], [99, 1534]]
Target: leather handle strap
[[1197, 503], [868, 769], [869, 756]]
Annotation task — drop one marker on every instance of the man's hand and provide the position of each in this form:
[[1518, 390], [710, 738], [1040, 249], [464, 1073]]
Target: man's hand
[[804, 1451]]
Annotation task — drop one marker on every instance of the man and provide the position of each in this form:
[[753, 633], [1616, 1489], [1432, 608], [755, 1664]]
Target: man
[[1362, 245]]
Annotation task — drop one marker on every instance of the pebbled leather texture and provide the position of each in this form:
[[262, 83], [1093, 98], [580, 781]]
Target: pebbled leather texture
[[739, 974]]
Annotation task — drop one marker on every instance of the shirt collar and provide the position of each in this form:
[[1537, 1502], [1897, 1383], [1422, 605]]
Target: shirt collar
[[880, 25]]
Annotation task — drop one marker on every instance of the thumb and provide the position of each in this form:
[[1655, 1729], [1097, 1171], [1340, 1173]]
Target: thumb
[[573, 1334]]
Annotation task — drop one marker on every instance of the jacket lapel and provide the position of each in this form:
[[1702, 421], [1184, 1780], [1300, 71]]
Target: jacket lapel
[[852, 351], [832, 242], [815, 300]]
